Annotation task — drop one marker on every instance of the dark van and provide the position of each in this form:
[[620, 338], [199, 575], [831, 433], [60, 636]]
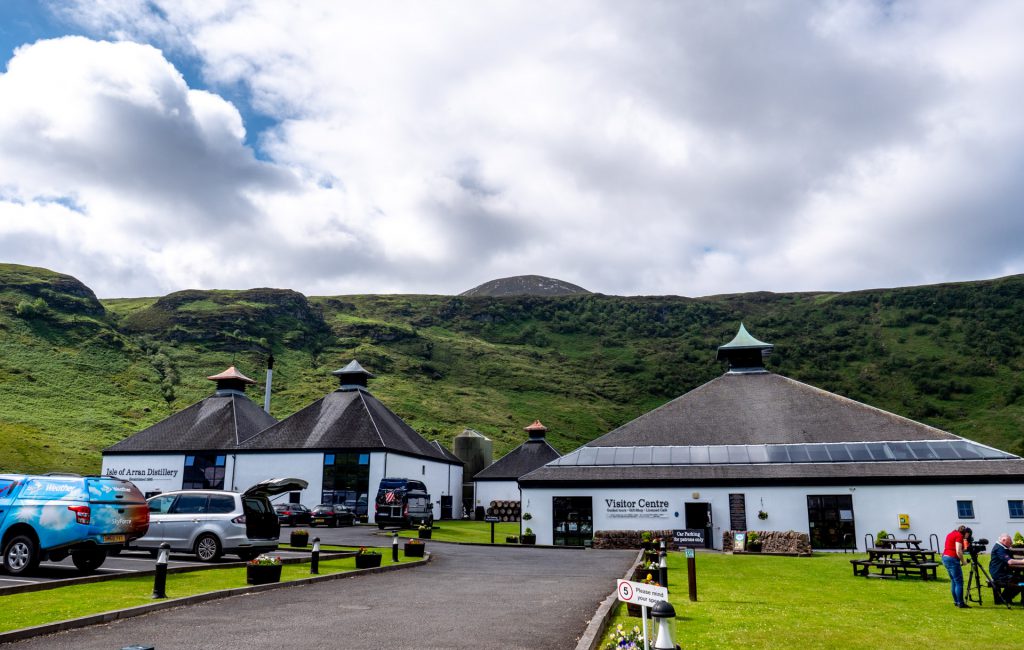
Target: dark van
[[403, 502]]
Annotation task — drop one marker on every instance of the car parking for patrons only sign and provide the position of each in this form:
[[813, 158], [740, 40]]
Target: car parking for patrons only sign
[[639, 593]]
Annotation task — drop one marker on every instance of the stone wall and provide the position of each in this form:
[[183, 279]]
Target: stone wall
[[776, 541], [624, 538]]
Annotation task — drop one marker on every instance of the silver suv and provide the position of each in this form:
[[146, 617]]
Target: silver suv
[[210, 523]]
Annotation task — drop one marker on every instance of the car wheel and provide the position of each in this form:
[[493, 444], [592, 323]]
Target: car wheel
[[207, 548], [21, 555], [380, 526], [89, 561]]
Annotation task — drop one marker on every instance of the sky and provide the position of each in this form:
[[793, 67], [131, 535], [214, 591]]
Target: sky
[[640, 148]]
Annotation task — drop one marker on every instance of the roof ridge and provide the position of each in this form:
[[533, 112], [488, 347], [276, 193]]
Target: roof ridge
[[373, 421]]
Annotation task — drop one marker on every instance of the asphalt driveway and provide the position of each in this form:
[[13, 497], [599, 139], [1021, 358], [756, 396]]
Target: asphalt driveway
[[467, 597]]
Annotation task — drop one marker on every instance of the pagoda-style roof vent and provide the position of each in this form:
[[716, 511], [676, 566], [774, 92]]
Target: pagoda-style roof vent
[[536, 430], [353, 376], [231, 381], [745, 353]]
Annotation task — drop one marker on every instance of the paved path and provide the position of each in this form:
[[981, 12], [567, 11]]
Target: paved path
[[467, 597]]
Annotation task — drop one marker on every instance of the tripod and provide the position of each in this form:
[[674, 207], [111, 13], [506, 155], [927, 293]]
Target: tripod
[[974, 583]]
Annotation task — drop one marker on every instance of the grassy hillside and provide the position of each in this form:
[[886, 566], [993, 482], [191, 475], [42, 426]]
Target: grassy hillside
[[77, 375]]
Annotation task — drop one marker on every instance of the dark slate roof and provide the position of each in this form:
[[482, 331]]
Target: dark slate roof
[[449, 455], [346, 419], [764, 408], [980, 471], [218, 422], [522, 460]]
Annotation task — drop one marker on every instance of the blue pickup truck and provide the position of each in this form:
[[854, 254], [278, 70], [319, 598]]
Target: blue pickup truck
[[51, 517]]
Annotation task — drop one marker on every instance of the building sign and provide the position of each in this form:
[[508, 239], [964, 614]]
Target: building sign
[[642, 508], [142, 474], [687, 537]]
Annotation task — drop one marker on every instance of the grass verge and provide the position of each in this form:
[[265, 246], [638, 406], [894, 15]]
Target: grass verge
[[74, 601], [781, 602], [466, 530]]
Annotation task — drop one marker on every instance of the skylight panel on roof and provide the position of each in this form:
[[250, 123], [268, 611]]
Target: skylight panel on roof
[[718, 454], [818, 453], [757, 454], [624, 456], [643, 456], [966, 449], [680, 456], [838, 453], [662, 455], [778, 454], [900, 451], [944, 450], [738, 454], [798, 454], [605, 456], [879, 451], [699, 456], [921, 451], [588, 456]]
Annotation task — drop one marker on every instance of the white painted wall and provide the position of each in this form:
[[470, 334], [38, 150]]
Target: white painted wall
[[149, 472], [250, 469], [932, 508], [487, 491]]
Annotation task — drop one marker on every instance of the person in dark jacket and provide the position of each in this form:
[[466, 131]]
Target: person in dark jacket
[[999, 569]]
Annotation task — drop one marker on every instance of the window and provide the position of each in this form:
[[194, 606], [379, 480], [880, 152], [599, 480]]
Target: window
[[346, 477], [161, 505], [190, 504], [203, 472], [965, 509], [221, 503], [1016, 508]]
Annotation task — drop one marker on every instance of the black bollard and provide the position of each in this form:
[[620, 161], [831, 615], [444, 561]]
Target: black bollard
[[663, 570], [314, 563], [394, 547], [160, 580]]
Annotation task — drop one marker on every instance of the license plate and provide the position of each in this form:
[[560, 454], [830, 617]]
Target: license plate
[[319, 520], [114, 539]]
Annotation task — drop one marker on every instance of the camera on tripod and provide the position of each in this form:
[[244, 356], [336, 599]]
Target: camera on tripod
[[975, 547]]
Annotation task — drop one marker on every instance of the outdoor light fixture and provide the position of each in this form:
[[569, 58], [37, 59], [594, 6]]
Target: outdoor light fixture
[[664, 616]]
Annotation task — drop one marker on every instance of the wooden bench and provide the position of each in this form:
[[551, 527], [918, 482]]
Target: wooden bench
[[863, 568]]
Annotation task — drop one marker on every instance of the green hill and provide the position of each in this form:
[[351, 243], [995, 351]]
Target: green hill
[[77, 374]]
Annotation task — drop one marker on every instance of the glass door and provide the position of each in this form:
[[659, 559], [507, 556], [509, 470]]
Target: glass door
[[830, 520], [573, 521]]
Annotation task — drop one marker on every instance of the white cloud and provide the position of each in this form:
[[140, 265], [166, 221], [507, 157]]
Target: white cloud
[[686, 148]]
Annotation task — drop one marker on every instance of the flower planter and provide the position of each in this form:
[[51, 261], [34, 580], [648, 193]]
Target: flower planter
[[528, 539], [424, 534], [262, 574], [299, 540], [415, 550], [367, 561]]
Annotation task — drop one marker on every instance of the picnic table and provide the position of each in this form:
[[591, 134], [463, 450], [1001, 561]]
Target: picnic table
[[911, 559]]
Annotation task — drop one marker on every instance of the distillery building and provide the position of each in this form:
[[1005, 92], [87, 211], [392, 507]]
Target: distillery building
[[753, 450]]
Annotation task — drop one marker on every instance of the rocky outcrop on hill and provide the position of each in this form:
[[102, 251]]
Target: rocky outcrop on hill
[[524, 285]]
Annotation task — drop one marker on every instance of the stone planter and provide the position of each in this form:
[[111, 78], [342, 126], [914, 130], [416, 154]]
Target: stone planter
[[528, 539], [299, 540], [368, 561], [414, 550], [425, 534], [262, 574]]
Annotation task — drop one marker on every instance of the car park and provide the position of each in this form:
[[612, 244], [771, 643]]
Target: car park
[[292, 514], [332, 516], [53, 516], [209, 523]]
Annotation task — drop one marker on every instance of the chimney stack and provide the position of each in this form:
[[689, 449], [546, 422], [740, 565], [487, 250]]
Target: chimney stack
[[270, 380]]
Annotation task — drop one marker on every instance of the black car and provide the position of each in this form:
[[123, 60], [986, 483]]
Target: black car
[[332, 516], [292, 514]]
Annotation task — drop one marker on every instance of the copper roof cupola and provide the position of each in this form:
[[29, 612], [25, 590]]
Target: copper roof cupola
[[353, 376], [231, 382], [745, 353], [536, 430]]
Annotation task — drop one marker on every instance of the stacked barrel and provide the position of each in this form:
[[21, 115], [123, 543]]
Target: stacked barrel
[[507, 510]]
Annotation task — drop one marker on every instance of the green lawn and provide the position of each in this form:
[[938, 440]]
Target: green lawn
[[467, 530], [39, 607], [780, 602]]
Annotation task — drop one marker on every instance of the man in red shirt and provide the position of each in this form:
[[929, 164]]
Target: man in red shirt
[[953, 560]]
